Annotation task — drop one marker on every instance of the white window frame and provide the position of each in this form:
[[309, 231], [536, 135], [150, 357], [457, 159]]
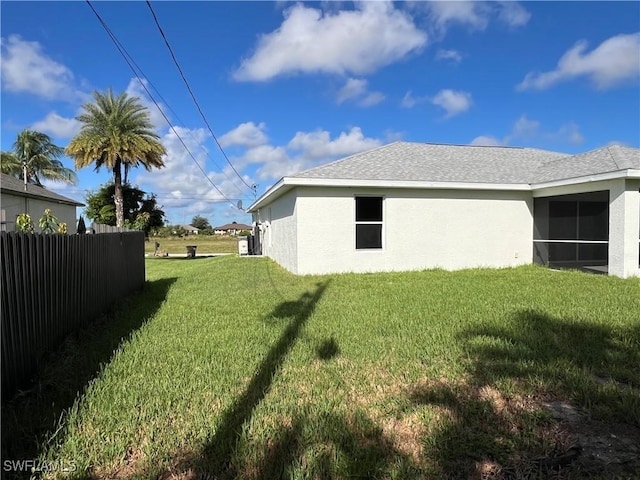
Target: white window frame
[[369, 222]]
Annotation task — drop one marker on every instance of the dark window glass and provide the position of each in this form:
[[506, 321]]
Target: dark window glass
[[594, 253], [593, 221], [562, 220], [562, 252], [369, 236], [368, 209]]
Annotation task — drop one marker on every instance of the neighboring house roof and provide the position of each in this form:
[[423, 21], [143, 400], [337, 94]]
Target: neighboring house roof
[[15, 186], [189, 228], [234, 226], [425, 165]]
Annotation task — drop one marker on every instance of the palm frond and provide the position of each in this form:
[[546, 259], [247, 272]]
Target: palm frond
[[116, 130], [37, 151]]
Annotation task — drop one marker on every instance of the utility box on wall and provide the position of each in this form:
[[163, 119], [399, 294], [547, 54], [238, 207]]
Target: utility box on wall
[[243, 246]]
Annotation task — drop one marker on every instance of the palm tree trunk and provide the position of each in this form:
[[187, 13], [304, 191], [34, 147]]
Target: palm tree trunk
[[117, 197]]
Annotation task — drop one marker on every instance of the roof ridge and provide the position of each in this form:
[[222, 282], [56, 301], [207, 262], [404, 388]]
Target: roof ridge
[[342, 159], [512, 147], [612, 156]]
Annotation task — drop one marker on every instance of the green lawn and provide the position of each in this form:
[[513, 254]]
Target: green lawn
[[205, 244], [234, 367]]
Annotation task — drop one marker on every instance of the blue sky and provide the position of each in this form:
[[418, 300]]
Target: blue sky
[[288, 86]]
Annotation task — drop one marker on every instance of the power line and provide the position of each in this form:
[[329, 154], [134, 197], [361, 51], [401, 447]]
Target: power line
[[178, 118], [164, 196], [193, 97], [126, 57]]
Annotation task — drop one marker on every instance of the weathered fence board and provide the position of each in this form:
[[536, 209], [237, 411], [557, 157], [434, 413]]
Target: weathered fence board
[[53, 285], [102, 228]]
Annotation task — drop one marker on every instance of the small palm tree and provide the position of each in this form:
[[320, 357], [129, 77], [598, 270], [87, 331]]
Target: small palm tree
[[116, 132], [35, 153]]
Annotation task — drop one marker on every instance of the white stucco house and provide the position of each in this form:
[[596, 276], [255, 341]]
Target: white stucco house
[[471, 206], [16, 199]]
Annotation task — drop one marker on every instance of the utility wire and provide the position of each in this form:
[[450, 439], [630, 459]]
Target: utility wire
[[125, 56], [184, 79], [141, 72], [159, 194], [178, 118]]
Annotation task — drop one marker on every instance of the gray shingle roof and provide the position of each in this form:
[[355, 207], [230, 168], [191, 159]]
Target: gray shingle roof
[[404, 161], [16, 186], [234, 226], [603, 160]]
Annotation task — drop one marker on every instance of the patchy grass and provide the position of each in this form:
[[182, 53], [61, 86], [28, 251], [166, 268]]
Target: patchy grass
[[205, 244], [233, 367]]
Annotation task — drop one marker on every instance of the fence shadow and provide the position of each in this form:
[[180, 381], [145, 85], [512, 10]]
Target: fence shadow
[[31, 416], [216, 458], [494, 432]]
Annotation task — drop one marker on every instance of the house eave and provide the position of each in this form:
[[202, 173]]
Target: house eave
[[35, 196], [629, 173], [287, 183]]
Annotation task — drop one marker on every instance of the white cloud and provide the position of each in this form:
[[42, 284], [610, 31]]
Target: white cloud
[[409, 101], [513, 14], [134, 89], [357, 41], [318, 144], [391, 136], [569, 132], [476, 15], [354, 87], [453, 55], [280, 166], [613, 62], [526, 131], [453, 102], [524, 128], [486, 140], [26, 69], [192, 193], [265, 154], [189, 187], [305, 150], [372, 99], [357, 90], [57, 126], [246, 135]]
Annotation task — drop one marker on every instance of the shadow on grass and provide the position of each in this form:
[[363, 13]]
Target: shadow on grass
[[328, 349], [216, 458], [493, 422], [31, 417], [324, 445], [344, 447]]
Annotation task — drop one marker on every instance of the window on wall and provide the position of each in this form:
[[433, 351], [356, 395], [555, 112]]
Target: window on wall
[[368, 223]]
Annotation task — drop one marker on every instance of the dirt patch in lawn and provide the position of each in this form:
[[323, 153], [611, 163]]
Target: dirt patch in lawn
[[484, 433], [598, 448]]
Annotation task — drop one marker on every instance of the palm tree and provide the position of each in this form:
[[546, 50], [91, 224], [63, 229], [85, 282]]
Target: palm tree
[[35, 153], [116, 132]]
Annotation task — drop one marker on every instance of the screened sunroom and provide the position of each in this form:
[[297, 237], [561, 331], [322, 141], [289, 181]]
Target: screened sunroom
[[572, 231]]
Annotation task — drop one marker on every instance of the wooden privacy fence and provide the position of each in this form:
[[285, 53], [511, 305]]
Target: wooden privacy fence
[[101, 228], [53, 285]]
